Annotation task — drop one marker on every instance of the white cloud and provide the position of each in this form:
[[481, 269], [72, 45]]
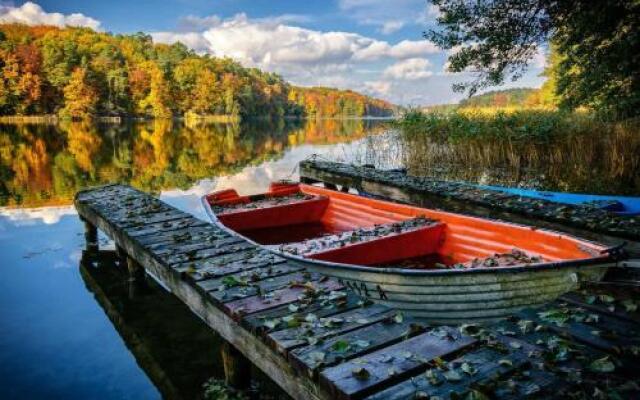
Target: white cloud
[[410, 69], [193, 40], [413, 48], [267, 43], [377, 88], [391, 26], [31, 216], [32, 14]]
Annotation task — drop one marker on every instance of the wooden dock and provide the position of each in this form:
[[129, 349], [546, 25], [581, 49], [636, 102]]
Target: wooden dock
[[319, 340]]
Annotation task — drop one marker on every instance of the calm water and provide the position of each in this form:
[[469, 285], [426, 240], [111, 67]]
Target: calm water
[[72, 331]]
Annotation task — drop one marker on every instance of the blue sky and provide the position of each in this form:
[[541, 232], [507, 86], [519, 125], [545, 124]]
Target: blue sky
[[373, 46]]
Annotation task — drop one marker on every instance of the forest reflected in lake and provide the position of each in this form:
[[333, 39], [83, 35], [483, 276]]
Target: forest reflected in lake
[[45, 164]]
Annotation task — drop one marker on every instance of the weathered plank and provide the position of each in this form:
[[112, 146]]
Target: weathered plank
[[226, 264], [193, 244], [314, 329], [226, 284], [592, 302], [363, 376], [166, 227], [290, 315], [327, 353], [249, 305], [208, 252], [262, 287], [198, 231]]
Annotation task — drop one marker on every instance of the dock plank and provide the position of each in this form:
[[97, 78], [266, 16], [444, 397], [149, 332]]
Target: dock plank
[[283, 316], [362, 376], [318, 329], [263, 287], [250, 305], [352, 344]]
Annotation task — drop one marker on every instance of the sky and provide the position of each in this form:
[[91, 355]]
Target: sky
[[371, 46]]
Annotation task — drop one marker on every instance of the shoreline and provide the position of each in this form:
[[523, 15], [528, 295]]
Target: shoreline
[[227, 119]]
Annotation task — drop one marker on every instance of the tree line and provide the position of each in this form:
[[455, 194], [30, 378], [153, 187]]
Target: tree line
[[79, 73]]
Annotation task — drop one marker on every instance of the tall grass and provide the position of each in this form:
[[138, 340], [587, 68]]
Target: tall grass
[[566, 151], [511, 124]]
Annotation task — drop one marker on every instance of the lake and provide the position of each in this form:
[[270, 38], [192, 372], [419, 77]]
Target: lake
[[71, 330]]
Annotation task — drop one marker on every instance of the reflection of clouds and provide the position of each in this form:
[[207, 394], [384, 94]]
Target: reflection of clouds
[[256, 179], [33, 216]]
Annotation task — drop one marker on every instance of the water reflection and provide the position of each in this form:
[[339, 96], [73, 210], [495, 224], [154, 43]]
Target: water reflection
[[46, 164], [177, 351], [66, 331]]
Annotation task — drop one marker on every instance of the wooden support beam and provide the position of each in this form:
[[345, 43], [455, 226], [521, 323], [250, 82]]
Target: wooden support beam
[[237, 369], [137, 277], [90, 236]]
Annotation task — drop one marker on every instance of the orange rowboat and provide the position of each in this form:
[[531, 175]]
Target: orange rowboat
[[441, 266]]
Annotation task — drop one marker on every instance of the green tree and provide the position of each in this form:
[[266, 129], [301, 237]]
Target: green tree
[[599, 42]]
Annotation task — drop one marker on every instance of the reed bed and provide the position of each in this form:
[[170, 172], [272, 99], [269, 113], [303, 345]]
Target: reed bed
[[536, 148]]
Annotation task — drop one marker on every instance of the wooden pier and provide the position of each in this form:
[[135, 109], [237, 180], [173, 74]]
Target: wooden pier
[[319, 340]]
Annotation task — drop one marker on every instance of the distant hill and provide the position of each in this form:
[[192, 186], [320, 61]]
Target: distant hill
[[80, 73], [500, 98]]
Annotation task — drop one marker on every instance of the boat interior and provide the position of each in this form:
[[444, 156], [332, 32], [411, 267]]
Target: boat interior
[[329, 225]]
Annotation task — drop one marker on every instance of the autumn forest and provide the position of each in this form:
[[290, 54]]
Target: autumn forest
[[78, 73]]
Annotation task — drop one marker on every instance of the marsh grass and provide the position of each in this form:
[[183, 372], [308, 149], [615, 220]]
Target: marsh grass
[[536, 148]]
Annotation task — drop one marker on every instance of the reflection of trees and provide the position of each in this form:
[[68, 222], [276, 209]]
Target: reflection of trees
[[25, 163], [83, 142], [47, 164]]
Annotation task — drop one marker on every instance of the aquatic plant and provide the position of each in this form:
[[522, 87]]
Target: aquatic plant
[[533, 148], [215, 389]]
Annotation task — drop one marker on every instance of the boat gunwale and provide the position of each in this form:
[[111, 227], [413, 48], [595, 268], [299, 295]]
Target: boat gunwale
[[605, 258]]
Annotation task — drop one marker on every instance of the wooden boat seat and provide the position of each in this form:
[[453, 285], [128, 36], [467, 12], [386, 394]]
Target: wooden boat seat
[[381, 244]]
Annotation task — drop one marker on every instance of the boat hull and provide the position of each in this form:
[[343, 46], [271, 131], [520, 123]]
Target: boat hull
[[626, 205], [462, 297]]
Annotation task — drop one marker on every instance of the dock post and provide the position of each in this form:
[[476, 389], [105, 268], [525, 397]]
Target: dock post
[[237, 369], [91, 237], [136, 276], [122, 255]]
